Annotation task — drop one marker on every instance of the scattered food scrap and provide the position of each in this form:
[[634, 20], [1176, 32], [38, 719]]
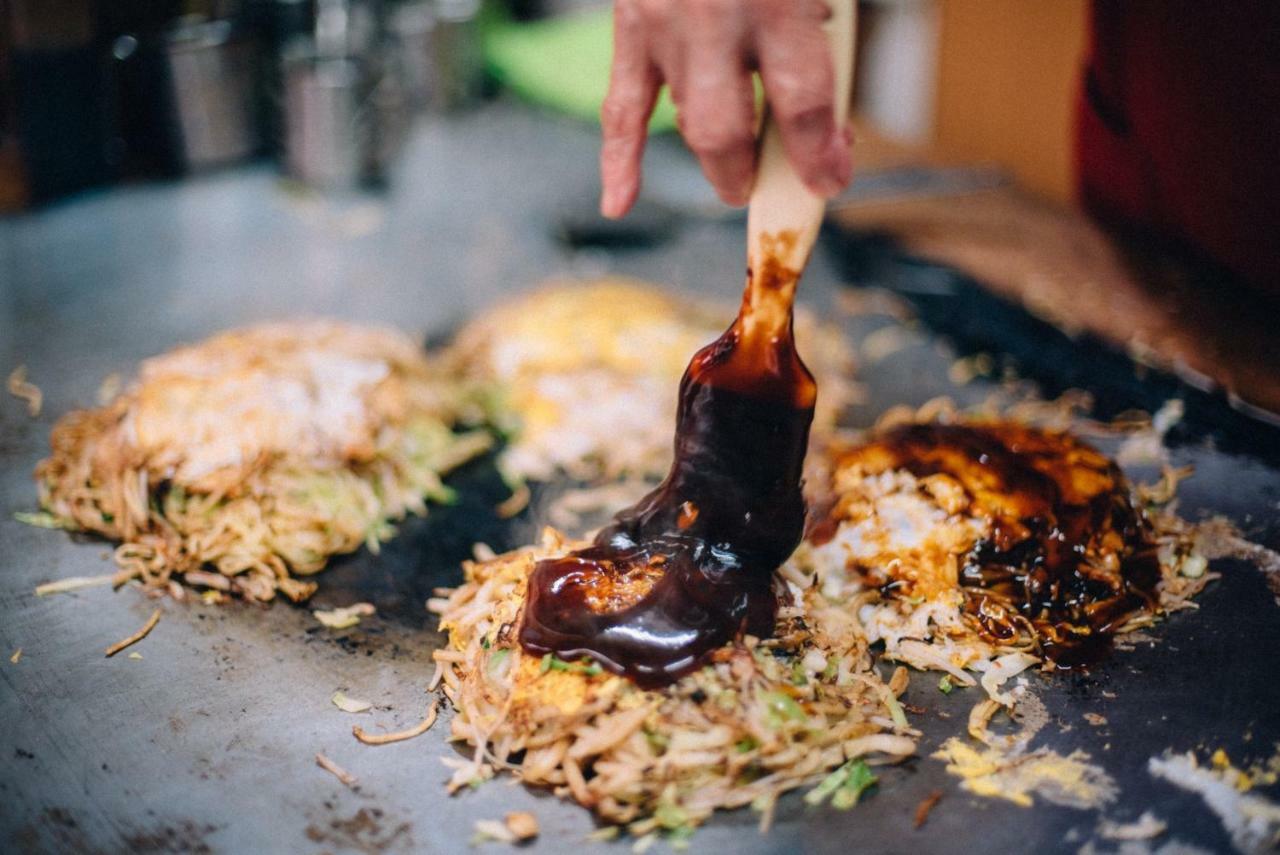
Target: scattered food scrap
[[337, 771], [20, 387], [1095, 719], [343, 617], [927, 804], [137, 636], [1143, 847], [135, 655], [16, 657], [399, 736], [1252, 821], [351, 705], [1071, 781], [522, 824], [1144, 827], [1264, 773], [516, 827], [1218, 537], [73, 583], [491, 830]]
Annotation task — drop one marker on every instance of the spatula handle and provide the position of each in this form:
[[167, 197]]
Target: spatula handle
[[784, 216]]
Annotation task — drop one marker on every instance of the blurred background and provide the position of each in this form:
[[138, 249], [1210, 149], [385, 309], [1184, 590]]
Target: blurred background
[[1108, 167], [100, 91]]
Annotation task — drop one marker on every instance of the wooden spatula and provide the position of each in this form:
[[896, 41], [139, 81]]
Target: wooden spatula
[[784, 216]]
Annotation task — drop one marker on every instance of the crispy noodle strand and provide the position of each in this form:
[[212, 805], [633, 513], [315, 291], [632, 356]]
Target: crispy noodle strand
[[137, 636], [401, 735]]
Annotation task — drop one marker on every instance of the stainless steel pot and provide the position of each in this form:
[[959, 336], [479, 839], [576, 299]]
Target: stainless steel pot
[[211, 72], [327, 132]]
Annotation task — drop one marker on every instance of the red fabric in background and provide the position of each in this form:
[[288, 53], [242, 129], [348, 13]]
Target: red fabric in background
[[1179, 128]]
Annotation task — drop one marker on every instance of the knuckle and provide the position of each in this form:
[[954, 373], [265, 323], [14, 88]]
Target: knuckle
[[801, 92], [617, 114], [653, 10], [628, 14], [711, 139], [802, 110]]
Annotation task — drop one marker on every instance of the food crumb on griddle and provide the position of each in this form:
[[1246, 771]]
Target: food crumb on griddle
[[21, 388], [343, 617], [337, 771], [1251, 820], [1021, 776], [927, 804], [1144, 827], [522, 824], [137, 636], [349, 704], [499, 831], [398, 736]]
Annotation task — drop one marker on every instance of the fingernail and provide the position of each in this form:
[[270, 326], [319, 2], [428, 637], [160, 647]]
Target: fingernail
[[741, 193], [829, 187], [831, 182], [844, 168], [841, 162]]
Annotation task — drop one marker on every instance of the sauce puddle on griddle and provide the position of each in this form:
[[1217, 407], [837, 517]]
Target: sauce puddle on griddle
[[690, 567]]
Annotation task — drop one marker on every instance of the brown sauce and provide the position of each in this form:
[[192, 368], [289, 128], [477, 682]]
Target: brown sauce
[[690, 567], [1068, 557]]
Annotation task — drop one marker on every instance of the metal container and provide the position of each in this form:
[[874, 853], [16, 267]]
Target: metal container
[[327, 133], [211, 71], [434, 49], [410, 31], [457, 63]]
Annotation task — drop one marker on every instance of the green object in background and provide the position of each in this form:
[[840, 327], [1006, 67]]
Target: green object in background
[[563, 63]]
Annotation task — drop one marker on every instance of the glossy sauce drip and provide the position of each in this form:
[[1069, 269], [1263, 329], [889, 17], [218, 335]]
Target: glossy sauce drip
[[1068, 555], [690, 567]]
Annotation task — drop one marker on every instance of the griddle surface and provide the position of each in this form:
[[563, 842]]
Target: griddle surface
[[207, 742]]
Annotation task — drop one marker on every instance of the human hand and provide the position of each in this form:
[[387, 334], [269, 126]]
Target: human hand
[[705, 51]]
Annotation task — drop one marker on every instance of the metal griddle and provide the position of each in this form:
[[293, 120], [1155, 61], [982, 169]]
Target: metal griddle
[[207, 743]]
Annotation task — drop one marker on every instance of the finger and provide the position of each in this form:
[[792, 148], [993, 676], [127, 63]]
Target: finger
[[796, 68], [624, 116], [716, 102]]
